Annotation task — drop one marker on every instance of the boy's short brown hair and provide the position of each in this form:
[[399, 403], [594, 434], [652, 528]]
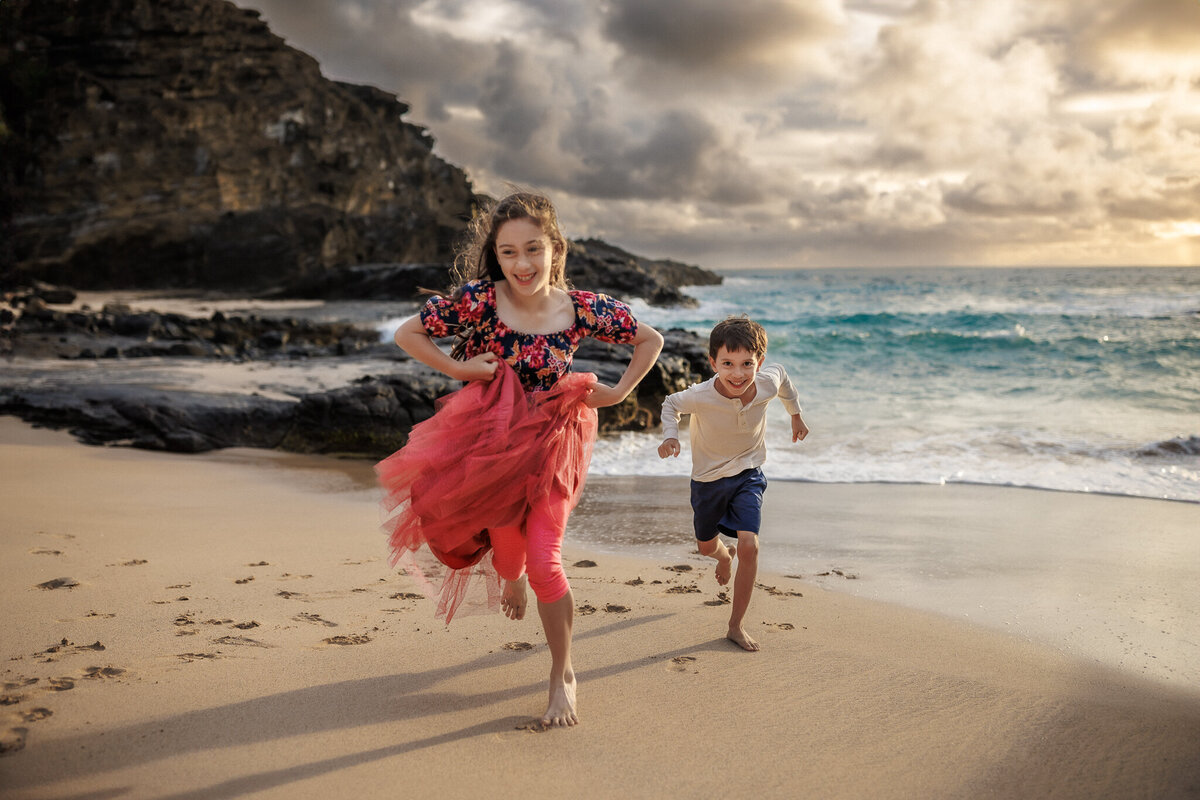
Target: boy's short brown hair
[[738, 333]]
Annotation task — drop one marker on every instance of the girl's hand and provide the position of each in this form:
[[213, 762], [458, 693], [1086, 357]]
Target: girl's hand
[[601, 396], [478, 368], [669, 447]]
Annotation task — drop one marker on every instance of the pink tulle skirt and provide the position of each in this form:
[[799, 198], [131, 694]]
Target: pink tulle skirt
[[489, 452]]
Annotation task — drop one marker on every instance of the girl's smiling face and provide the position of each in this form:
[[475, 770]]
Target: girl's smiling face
[[735, 371], [526, 256]]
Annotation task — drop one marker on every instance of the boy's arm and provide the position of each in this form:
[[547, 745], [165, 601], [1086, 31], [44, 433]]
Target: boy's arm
[[791, 402], [671, 411]]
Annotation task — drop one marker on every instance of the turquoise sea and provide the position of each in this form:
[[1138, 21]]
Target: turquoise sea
[[1073, 379]]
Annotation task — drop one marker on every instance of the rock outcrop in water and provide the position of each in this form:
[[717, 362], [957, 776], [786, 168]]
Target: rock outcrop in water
[[173, 143], [369, 417]]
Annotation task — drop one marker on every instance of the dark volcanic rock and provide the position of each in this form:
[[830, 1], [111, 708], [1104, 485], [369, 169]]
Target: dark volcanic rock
[[371, 417], [117, 332], [601, 267], [187, 422], [591, 265], [164, 143]]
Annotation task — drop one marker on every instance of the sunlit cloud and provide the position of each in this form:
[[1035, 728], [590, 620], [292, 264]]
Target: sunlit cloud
[[800, 132]]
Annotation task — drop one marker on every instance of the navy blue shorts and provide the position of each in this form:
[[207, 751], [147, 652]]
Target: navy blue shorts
[[728, 505]]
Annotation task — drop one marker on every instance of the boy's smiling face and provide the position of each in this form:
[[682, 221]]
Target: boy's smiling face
[[735, 371]]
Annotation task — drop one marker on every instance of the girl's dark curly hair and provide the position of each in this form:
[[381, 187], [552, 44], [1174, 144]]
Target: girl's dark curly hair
[[476, 259]]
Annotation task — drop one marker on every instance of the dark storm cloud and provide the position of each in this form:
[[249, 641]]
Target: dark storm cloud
[[516, 98], [714, 34], [685, 156], [378, 43]]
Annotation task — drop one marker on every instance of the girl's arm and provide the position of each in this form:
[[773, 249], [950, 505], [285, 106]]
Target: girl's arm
[[413, 339], [647, 344]]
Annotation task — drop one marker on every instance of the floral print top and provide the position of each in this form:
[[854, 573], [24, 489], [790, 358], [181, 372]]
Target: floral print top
[[539, 359]]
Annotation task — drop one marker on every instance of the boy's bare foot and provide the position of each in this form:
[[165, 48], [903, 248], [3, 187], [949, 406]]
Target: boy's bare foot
[[725, 568], [739, 637], [514, 599], [561, 710]]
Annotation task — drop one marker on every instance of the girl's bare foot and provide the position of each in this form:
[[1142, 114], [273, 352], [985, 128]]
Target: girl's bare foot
[[514, 600], [725, 568], [739, 637], [561, 710]]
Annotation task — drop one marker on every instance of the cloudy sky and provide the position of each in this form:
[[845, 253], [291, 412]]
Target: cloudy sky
[[779, 133]]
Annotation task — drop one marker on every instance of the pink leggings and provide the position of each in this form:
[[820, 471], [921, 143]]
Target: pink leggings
[[536, 549]]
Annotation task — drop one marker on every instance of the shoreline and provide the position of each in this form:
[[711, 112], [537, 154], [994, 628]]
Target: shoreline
[[254, 640]]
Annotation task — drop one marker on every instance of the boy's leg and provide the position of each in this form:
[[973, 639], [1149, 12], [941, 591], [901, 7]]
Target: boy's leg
[[709, 503], [743, 587], [715, 548]]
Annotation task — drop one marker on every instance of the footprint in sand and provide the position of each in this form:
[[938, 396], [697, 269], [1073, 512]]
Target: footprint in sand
[[406, 596], [721, 599], [682, 663], [45, 551], [587, 562], [315, 619], [59, 583], [517, 646], [679, 568], [61, 684], [355, 638], [240, 641], [783, 626], [585, 609], [244, 580], [635, 582], [771, 590], [13, 740], [36, 714], [613, 608], [190, 657], [10, 686], [690, 588], [850, 576], [102, 673]]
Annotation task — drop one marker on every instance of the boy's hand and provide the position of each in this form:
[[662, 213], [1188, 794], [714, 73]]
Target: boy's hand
[[669, 447], [799, 429]]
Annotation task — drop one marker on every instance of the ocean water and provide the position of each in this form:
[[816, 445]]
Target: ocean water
[[1079, 379]]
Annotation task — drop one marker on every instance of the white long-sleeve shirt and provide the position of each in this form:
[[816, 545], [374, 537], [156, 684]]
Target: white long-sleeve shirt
[[726, 436]]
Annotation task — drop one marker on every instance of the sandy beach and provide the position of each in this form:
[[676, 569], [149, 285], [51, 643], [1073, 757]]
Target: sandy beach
[[226, 625]]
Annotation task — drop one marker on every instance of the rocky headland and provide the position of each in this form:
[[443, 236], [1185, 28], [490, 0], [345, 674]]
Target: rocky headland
[[182, 147]]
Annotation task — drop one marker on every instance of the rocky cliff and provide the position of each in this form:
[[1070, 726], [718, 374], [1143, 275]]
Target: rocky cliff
[[175, 143]]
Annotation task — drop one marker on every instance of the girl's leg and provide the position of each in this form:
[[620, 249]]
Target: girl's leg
[[508, 557], [743, 586], [557, 620], [556, 605]]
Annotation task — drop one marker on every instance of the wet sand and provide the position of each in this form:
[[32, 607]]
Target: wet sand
[[226, 624]]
